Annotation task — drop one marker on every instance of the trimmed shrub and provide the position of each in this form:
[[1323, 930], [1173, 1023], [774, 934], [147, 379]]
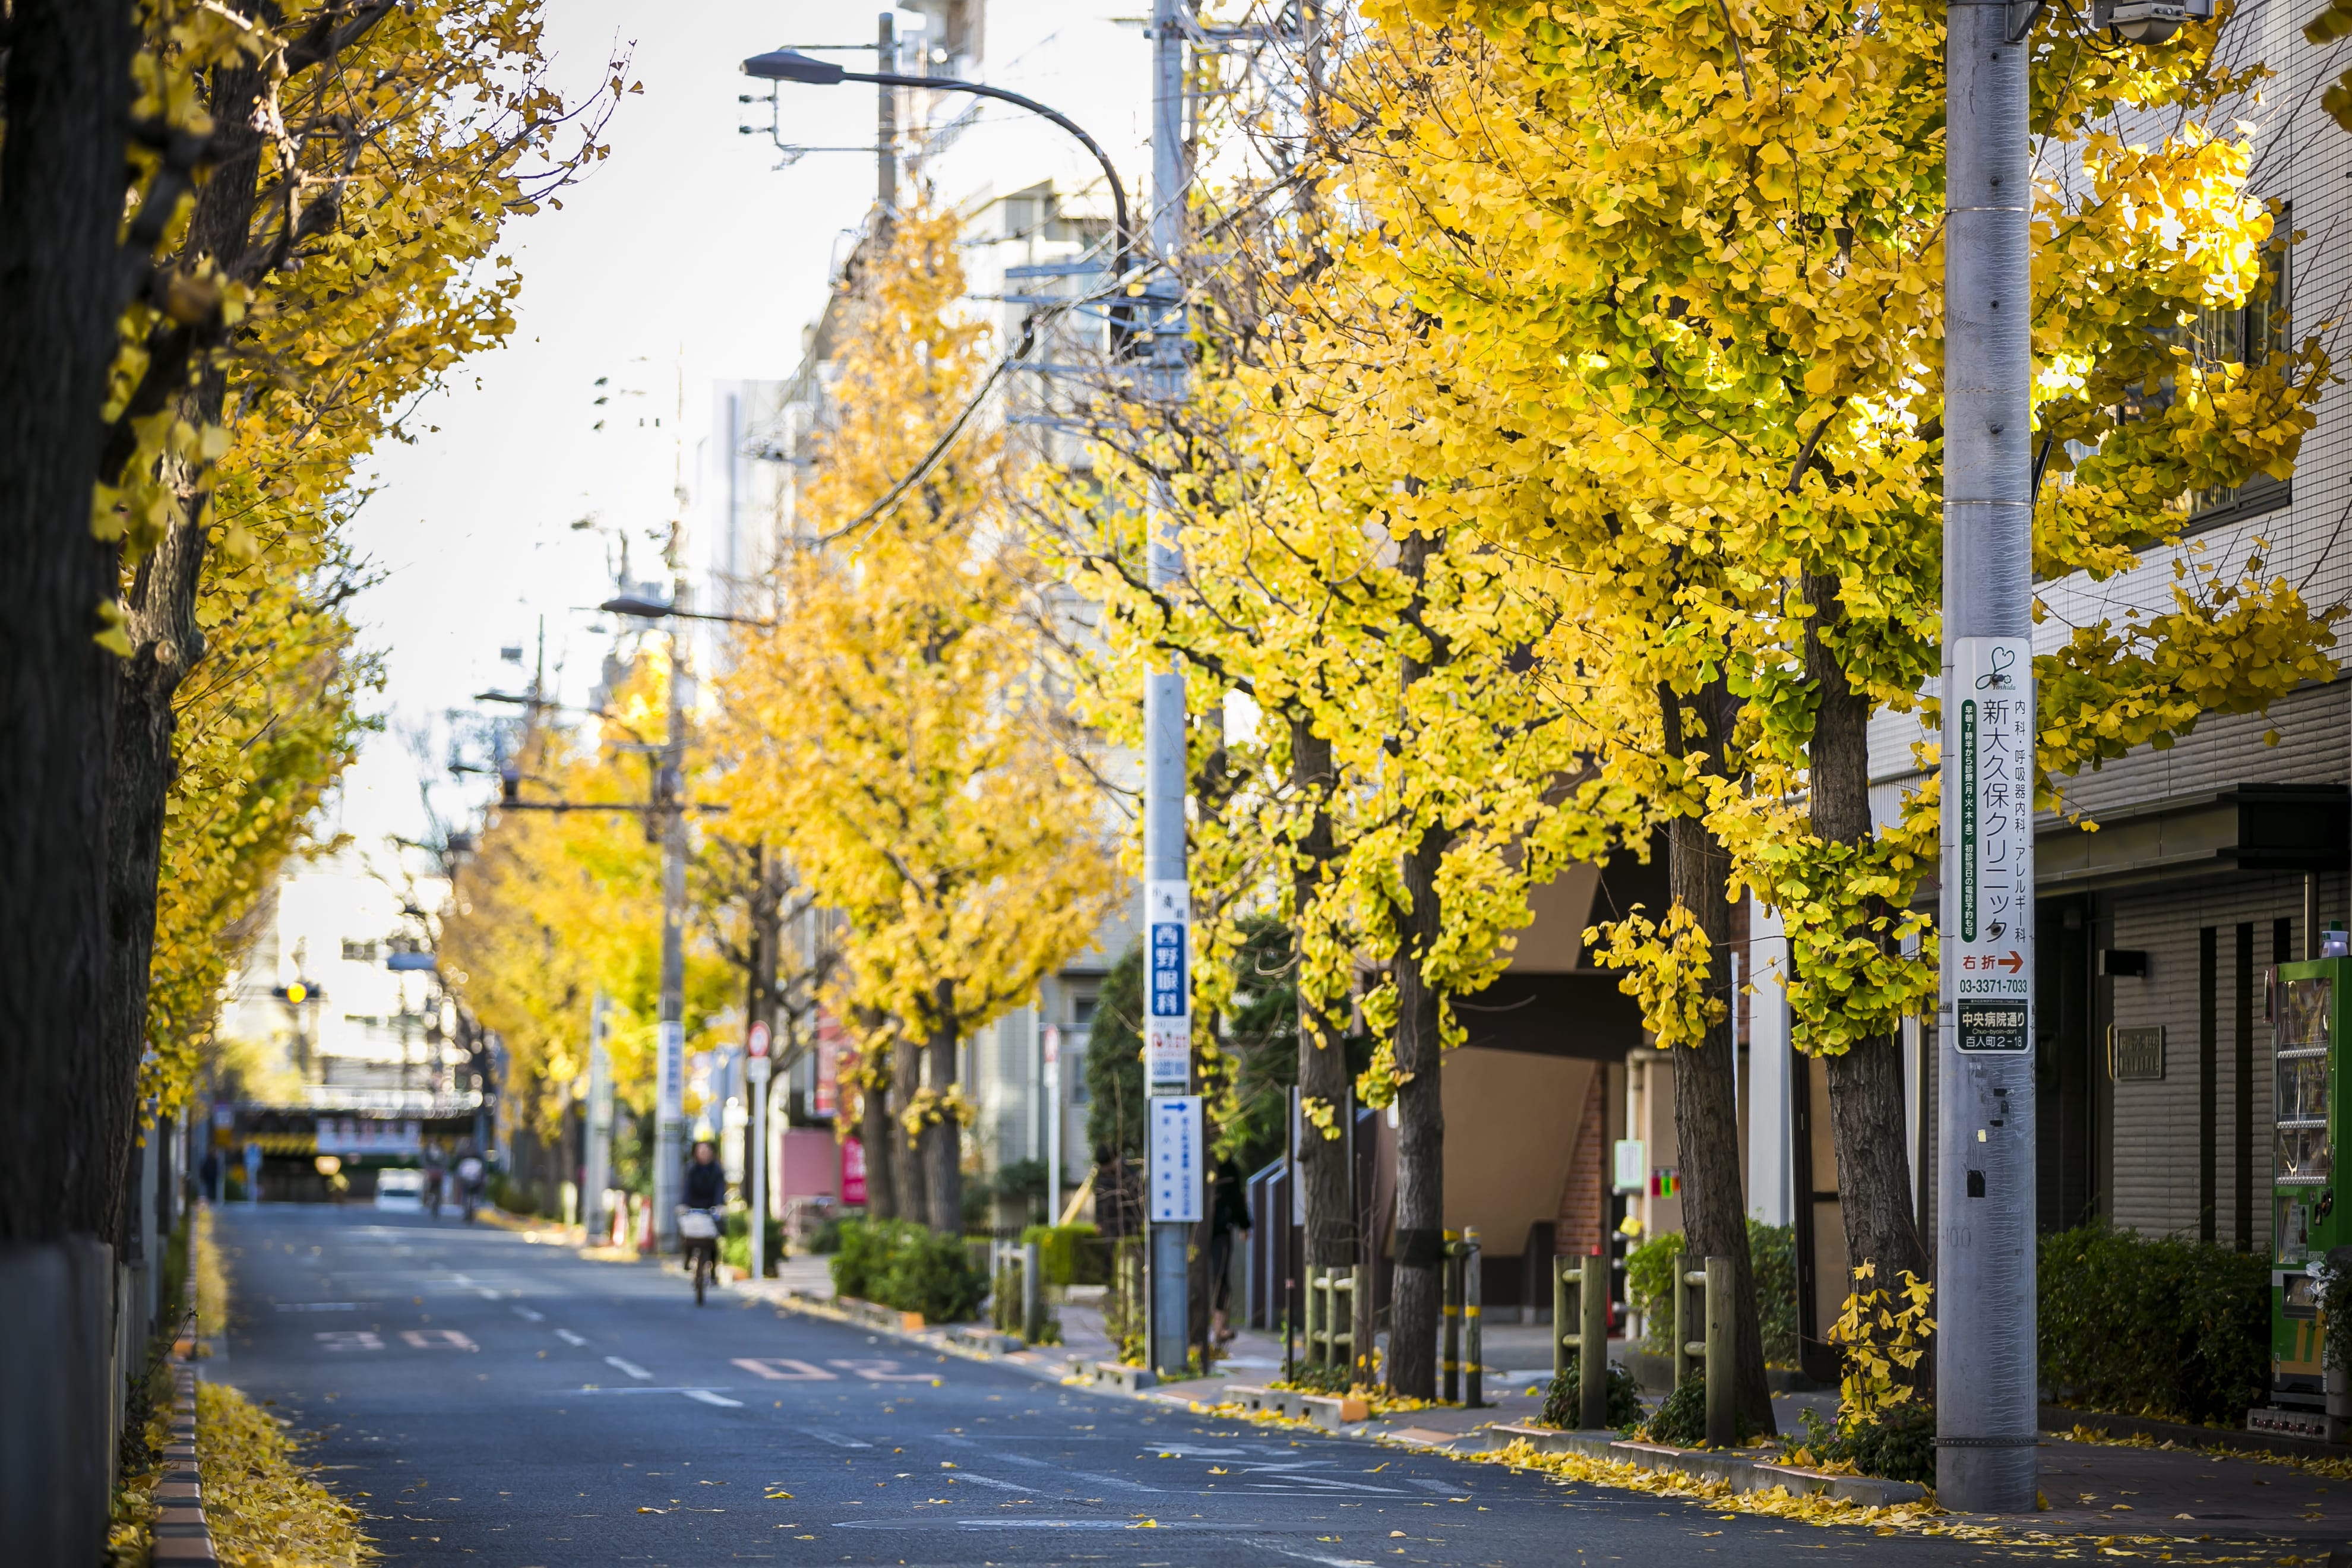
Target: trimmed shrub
[[909, 1267], [1772, 1253], [1900, 1446], [1563, 1401], [735, 1240], [1681, 1421], [2159, 1326]]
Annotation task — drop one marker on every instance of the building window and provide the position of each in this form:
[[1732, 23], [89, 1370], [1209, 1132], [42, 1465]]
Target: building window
[[2249, 333], [359, 952]]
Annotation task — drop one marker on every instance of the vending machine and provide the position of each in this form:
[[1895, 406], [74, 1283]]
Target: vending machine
[[2308, 1024]]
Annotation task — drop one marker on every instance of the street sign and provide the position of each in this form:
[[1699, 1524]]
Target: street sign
[[1989, 762], [1167, 1011], [853, 1171], [1175, 1129], [756, 1067], [670, 1072], [756, 1043], [1632, 1165]]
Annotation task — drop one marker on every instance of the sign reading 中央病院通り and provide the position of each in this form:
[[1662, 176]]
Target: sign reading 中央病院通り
[[1175, 1153], [1989, 782], [1168, 991]]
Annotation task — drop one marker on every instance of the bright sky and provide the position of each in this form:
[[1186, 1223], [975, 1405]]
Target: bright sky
[[686, 257]]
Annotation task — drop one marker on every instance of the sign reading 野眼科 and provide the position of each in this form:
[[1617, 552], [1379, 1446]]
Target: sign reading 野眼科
[[1175, 1155], [1168, 989], [1989, 775]]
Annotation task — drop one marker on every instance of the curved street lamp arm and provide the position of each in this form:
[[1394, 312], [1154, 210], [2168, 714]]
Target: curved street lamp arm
[[982, 89]]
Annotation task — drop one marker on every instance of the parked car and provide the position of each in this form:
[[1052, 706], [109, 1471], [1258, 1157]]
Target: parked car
[[403, 1190]]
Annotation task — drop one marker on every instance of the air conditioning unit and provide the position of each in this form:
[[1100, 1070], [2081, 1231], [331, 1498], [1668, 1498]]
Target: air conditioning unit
[[2149, 21]]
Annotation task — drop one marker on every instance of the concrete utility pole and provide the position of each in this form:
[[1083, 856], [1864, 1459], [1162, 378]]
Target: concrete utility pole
[[1986, 1365], [886, 125], [1166, 897], [669, 806], [599, 1173]]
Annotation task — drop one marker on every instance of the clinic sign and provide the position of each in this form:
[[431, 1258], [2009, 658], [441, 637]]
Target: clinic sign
[[670, 1072], [1177, 1167], [1989, 931], [1168, 980]]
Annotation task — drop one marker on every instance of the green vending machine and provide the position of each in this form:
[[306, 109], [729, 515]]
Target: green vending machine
[[2308, 1026]]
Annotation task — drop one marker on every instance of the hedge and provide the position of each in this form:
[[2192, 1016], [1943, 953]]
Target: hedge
[[2158, 1326], [1771, 1251], [909, 1267]]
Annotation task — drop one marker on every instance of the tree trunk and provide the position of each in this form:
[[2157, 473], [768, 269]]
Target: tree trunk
[[1421, 1137], [1323, 1169], [1707, 1114], [165, 638], [943, 1140], [1874, 1173], [914, 1186], [874, 1135], [66, 107]]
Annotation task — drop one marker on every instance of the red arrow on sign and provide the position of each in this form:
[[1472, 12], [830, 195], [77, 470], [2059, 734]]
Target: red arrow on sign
[[2014, 961]]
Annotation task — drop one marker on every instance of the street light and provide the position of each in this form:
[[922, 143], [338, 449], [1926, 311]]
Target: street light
[[790, 65], [654, 610]]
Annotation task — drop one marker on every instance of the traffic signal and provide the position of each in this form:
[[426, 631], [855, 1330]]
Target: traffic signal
[[298, 993]]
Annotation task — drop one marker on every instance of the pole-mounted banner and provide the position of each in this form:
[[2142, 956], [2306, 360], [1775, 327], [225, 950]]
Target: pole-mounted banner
[[672, 1072], [1990, 720], [1168, 1012]]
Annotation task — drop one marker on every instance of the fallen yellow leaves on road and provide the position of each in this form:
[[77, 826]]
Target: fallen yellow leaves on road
[[263, 1506]]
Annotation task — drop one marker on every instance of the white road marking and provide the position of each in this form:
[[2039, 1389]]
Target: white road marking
[[970, 1479], [489, 1294], [709, 1397], [528, 1316], [634, 1388], [569, 1338], [835, 1438], [801, 1371], [438, 1340], [877, 1370], [1102, 1480], [348, 1340], [632, 1368], [318, 1306]]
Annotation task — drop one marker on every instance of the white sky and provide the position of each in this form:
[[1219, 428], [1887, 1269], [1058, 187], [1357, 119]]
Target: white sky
[[686, 256]]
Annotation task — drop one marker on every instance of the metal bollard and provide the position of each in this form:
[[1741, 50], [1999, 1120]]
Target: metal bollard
[[1473, 1347], [1722, 1378], [1592, 1337], [1450, 1293], [1687, 1321], [1563, 1314], [1032, 1294]]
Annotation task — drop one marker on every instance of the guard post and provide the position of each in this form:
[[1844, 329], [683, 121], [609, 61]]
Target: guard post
[[1474, 1339], [1710, 1317], [1580, 1296]]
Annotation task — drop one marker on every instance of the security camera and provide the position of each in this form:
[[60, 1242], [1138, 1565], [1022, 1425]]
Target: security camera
[[2149, 21]]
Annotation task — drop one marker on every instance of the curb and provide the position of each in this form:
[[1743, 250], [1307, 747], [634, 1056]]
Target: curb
[[1329, 1411], [2060, 1420], [180, 1533], [1740, 1475]]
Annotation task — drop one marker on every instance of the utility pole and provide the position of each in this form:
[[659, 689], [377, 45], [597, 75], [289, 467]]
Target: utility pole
[[1167, 896], [885, 127], [669, 813], [599, 1162], [1986, 1371]]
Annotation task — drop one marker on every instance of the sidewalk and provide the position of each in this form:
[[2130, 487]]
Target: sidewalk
[[2094, 1489]]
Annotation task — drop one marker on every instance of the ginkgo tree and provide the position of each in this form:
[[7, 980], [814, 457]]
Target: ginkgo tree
[[1692, 255], [897, 734]]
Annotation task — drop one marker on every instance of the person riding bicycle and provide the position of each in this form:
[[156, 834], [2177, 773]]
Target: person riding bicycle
[[706, 1193]]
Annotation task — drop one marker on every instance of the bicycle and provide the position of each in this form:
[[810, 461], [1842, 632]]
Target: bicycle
[[697, 1229]]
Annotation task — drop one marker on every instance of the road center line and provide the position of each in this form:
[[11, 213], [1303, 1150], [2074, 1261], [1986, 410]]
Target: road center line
[[632, 1368], [569, 1338], [528, 1316], [709, 1397]]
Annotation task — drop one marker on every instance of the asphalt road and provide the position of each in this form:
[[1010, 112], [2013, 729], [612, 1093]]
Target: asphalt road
[[496, 1402]]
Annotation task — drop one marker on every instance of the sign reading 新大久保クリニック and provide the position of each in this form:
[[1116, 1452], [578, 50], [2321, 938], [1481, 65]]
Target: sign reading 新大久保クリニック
[[1988, 777]]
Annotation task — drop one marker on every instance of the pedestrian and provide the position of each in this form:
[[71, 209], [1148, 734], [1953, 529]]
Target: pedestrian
[[208, 1176], [1228, 1213], [252, 1171]]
